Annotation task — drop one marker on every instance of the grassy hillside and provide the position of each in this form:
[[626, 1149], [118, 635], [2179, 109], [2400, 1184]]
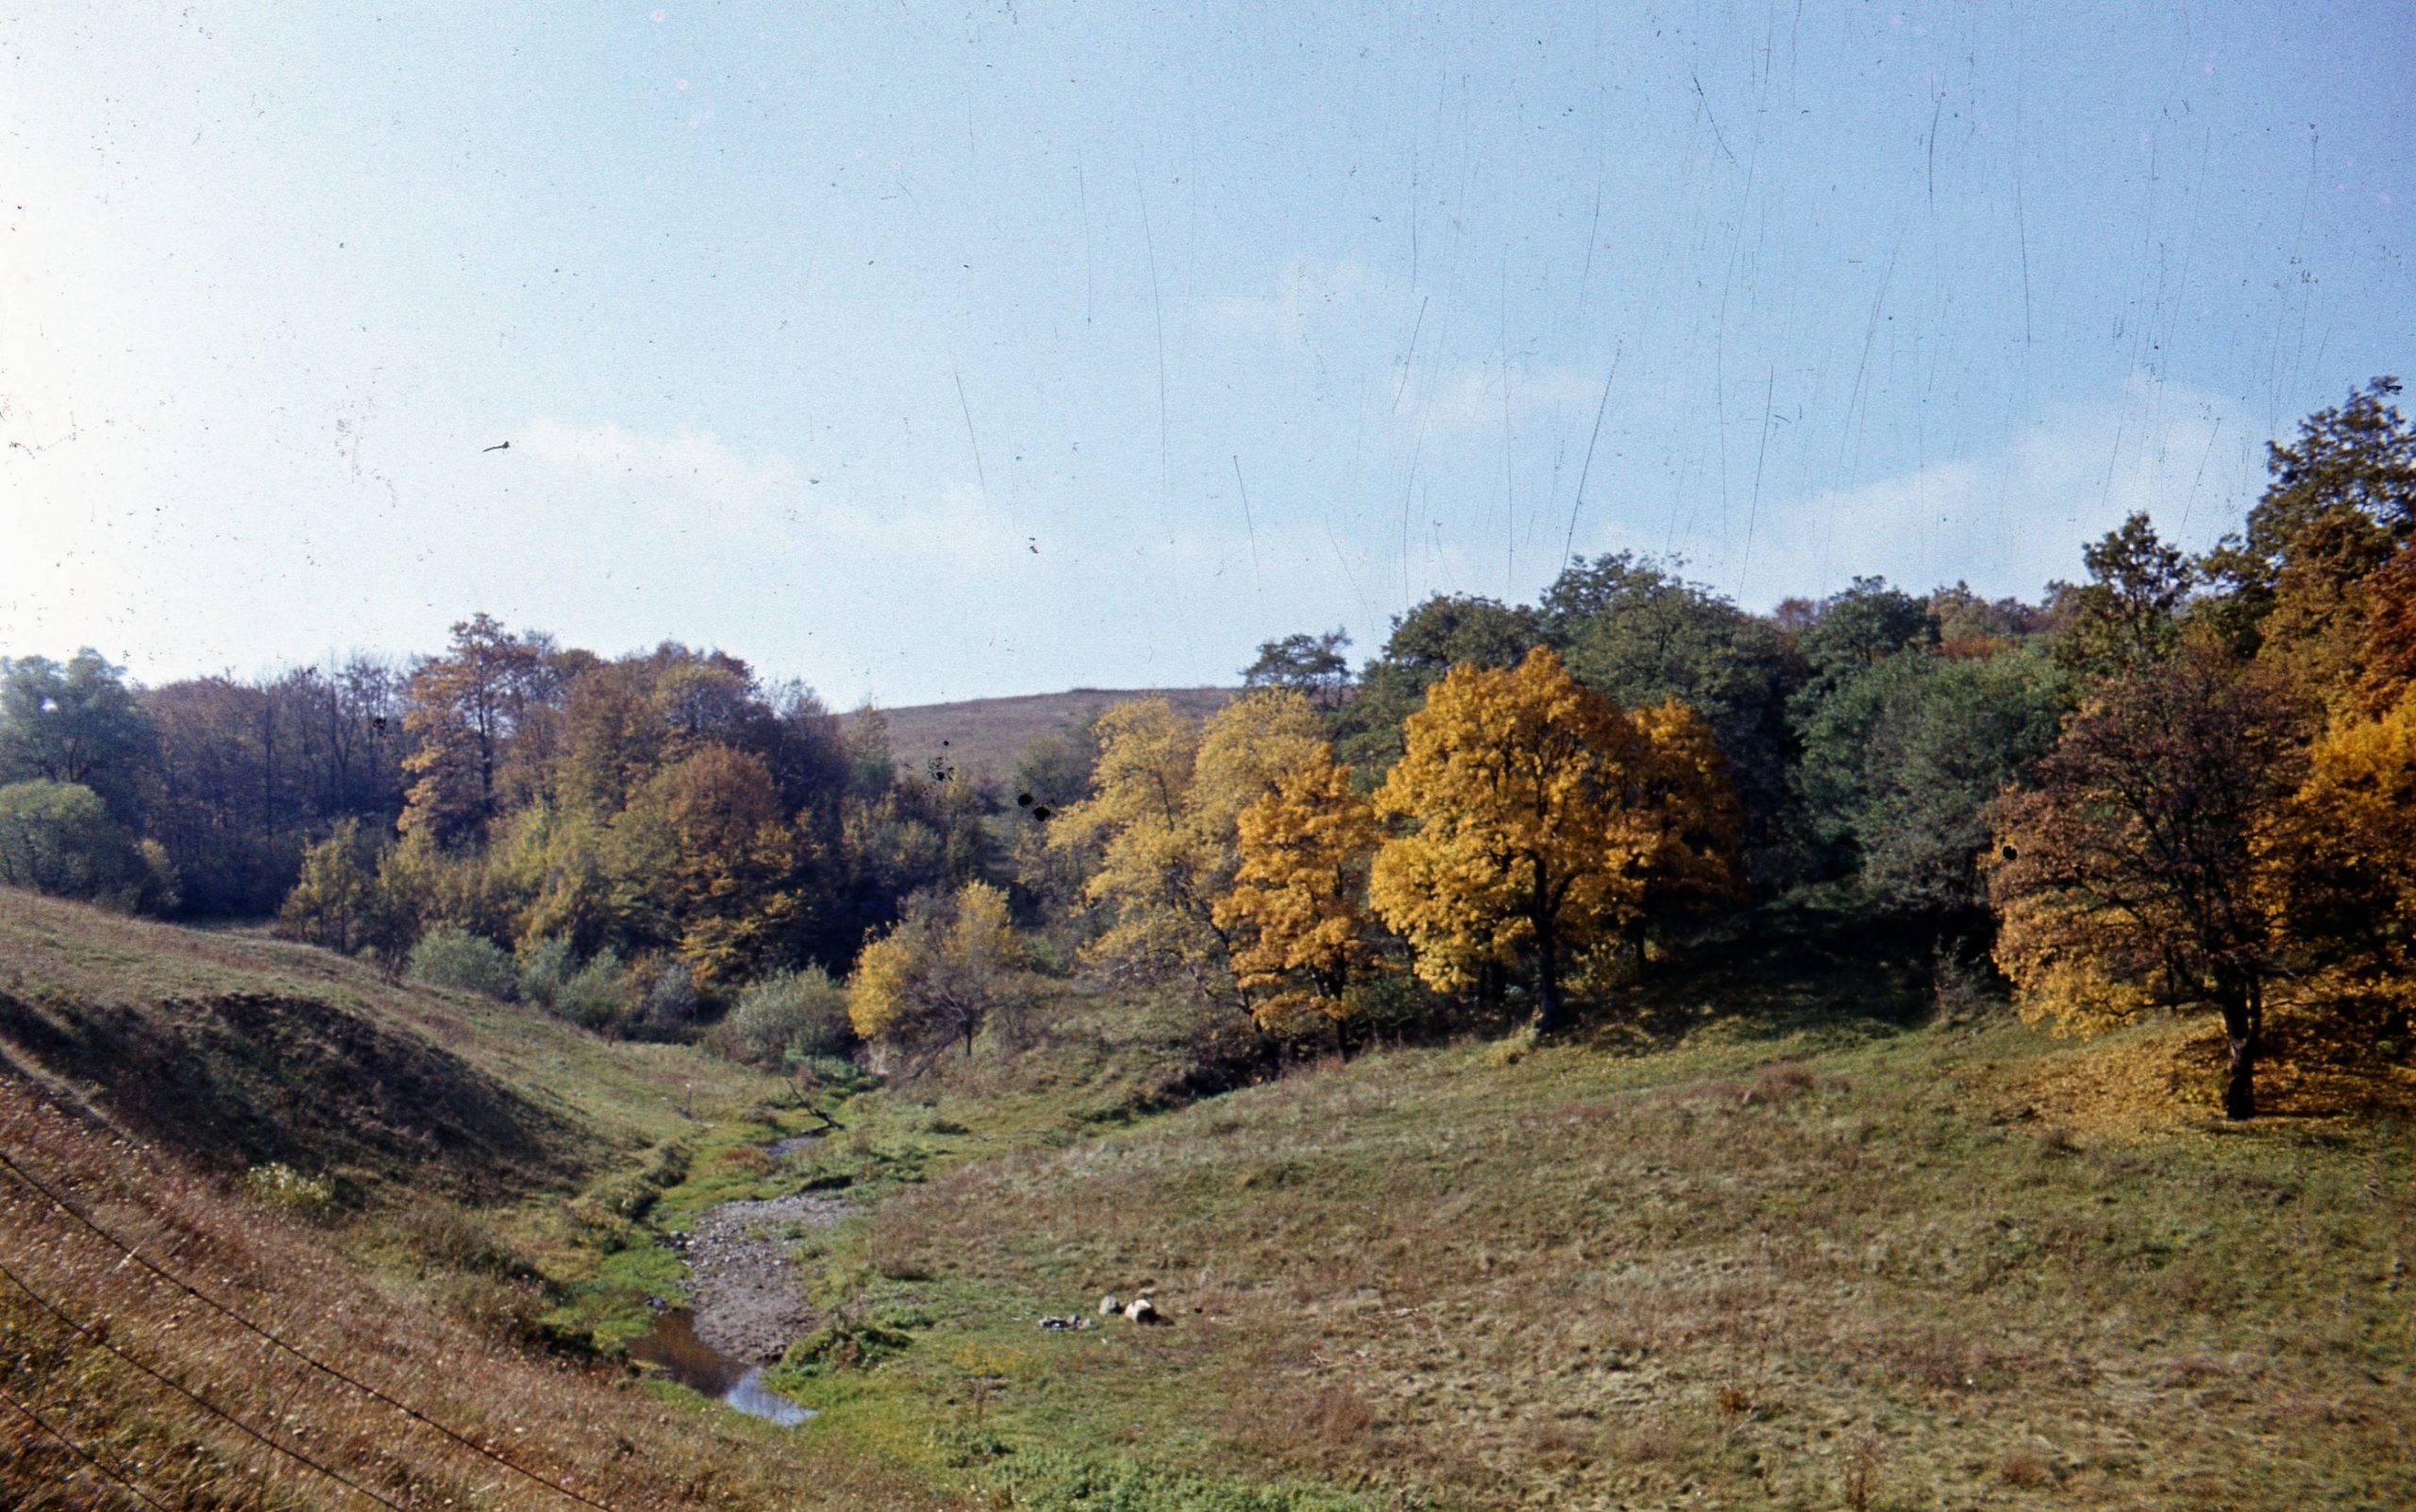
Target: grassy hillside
[[1774, 1232], [234, 1051], [1761, 1246], [985, 735]]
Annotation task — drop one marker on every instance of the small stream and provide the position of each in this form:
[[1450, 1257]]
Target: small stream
[[696, 1365]]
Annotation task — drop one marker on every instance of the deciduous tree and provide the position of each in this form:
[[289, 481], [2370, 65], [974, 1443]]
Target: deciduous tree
[[1536, 826], [461, 708], [2134, 868], [1297, 914], [1162, 823], [948, 968]]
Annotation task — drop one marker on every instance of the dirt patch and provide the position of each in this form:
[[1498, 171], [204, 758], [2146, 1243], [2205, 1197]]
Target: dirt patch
[[750, 1295]]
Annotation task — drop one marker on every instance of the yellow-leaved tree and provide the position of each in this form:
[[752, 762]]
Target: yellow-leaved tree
[[2345, 848], [1543, 817], [1296, 917], [1160, 827], [948, 968]]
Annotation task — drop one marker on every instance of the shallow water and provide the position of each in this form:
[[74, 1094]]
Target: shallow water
[[699, 1366]]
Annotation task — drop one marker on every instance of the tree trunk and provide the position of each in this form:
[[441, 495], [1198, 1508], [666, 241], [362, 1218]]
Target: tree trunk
[[2244, 1017], [1547, 983]]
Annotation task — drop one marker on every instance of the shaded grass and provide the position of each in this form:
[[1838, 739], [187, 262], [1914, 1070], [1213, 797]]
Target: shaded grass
[[594, 1429]]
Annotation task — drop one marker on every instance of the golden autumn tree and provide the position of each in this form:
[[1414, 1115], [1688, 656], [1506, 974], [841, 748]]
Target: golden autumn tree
[[1297, 915], [1542, 816], [946, 970], [462, 709], [2346, 853], [704, 859], [1698, 818], [1159, 826]]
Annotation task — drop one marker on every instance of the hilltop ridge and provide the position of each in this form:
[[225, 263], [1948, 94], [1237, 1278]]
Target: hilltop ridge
[[983, 736]]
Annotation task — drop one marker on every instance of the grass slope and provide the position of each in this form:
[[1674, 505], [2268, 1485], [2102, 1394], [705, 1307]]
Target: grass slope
[[1764, 1243], [233, 1050], [983, 736]]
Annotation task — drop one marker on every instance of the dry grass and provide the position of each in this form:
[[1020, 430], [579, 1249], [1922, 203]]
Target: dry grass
[[590, 1428], [1586, 1280], [984, 736]]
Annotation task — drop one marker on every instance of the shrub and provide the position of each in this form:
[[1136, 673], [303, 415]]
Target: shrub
[[670, 1004], [597, 995], [544, 966], [280, 1186], [786, 1018], [451, 957], [58, 838]]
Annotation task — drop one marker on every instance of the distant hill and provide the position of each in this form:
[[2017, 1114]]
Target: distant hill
[[985, 735]]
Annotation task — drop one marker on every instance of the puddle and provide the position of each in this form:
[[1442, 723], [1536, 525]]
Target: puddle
[[700, 1368]]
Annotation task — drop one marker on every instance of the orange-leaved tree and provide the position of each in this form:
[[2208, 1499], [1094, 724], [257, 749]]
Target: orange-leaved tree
[[1159, 827], [2136, 867], [1541, 818], [1297, 915]]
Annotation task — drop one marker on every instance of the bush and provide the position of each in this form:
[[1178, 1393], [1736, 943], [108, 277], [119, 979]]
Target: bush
[[544, 966], [280, 1186], [597, 995], [58, 838], [670, 999], [785, 1019], [451, 957]]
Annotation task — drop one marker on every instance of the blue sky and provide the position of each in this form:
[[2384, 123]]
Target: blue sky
[[931, 353]]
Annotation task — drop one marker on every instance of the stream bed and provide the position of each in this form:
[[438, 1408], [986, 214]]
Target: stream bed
[[673, 1345]]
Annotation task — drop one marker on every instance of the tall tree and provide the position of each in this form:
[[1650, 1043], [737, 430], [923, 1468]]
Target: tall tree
[[1162, 819], [461, 709], [2346, 853], [1445, 632], [75, 723], [1310, 666], [1538, 816], [1636, 630], [1297, 914], [2134, 868]]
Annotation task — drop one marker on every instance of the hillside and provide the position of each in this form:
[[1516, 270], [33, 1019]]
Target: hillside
[[1769, 1232], [233, 1050], [983, 736]]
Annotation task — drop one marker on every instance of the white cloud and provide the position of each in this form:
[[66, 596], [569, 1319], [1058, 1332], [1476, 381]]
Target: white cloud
[[2011, 521]]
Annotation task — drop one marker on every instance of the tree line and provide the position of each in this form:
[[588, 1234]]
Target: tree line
[[2184, 781]]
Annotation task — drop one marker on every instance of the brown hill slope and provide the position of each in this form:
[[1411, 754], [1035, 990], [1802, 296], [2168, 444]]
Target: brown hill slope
[[983, 736], [118, 1388], [234, 1051]]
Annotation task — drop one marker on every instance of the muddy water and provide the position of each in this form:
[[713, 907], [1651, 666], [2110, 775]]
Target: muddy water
[[696, 1365]]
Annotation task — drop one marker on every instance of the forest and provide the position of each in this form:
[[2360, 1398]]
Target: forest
[[2184, 784]]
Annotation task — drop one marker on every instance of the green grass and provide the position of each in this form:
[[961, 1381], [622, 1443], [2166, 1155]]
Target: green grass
[[1694, 1255], [1759, 1224]]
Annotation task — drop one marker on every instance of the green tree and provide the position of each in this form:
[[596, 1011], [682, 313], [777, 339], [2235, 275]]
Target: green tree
[[1636, 632], [2342, 493], [60, 838], [1903, 758], [339, 901], [2130, 612], [1310, 666], [1445, 632], [75, 723]]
